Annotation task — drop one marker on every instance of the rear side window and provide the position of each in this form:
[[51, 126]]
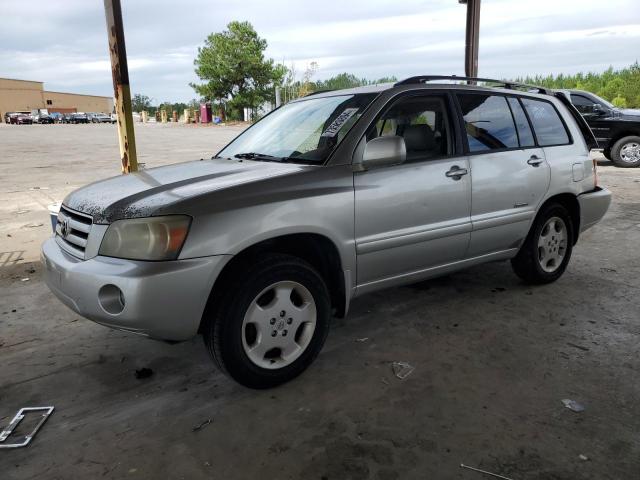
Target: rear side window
[[546, 123], [524, 130], [488, 122]]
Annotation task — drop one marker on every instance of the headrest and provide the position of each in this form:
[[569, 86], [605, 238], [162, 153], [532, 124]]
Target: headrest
[[419, 137]]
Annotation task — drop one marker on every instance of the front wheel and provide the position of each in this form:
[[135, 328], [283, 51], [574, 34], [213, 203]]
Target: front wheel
[[270, 323], [625, 152], [545, 253]]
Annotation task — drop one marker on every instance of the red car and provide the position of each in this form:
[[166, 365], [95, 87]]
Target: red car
[[22, 119]]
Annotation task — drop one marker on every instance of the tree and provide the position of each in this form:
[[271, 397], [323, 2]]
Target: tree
[[140, 102], [234, 70], [619, 102], [622, 87]]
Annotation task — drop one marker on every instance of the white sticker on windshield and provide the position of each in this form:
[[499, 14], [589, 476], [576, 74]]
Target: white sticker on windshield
[[333, 129]]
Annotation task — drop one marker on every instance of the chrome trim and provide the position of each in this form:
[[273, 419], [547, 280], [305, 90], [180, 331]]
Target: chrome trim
[[74, 238]]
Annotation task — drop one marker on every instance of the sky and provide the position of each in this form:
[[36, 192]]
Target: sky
[[64, 42]]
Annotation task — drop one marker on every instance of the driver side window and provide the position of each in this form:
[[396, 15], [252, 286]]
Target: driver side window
[[582, 103]]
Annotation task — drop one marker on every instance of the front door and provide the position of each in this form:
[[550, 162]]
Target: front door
[[600, 121], [412, 217]]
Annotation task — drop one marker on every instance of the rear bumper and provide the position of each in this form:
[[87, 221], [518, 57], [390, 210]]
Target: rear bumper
[[163, 300], [593, 206]]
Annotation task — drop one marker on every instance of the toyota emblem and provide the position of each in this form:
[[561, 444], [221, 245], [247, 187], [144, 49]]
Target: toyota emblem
[[64, 227]]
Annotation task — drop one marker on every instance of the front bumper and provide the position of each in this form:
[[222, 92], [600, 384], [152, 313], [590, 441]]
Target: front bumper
[[593, 206], [163, 300]]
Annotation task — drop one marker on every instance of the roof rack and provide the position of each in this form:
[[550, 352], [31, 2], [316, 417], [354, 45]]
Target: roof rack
[[501, 83]]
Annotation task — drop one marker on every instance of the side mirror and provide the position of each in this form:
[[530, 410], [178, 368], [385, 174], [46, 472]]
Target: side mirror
[[384, 151]]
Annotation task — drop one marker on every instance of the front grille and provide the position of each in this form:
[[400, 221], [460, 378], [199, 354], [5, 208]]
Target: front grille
[[72, 231]]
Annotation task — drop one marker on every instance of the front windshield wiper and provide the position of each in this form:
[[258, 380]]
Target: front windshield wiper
[[263, 157], [259, 156]]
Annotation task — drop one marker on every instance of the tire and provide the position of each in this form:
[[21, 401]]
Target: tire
[[625, 152], [246, 331], [544, 255]]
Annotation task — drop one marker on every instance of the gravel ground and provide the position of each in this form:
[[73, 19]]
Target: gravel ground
[[493, 358]]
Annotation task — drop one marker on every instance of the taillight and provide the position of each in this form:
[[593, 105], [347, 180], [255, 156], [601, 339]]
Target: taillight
[[595, 173]]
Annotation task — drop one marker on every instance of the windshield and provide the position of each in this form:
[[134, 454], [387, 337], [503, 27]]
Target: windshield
[[303, 131]]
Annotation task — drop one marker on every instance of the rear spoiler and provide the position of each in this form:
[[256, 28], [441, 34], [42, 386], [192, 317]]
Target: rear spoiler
[[589, 138]]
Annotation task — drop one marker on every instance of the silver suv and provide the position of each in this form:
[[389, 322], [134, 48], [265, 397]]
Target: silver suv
[[329, 197]]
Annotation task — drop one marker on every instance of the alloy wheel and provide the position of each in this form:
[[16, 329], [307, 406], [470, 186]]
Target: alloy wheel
[[279, 324], [630, 152], [552, 244]]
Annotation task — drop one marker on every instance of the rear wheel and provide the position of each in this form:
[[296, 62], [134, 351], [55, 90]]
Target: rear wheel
[[547, 249], [270, 323], [625, 152]]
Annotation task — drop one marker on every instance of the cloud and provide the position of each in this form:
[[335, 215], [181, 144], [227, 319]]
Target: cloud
[[64, 44]]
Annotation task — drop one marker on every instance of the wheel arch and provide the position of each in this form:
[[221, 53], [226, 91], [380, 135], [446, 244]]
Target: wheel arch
[[316, 249], [620, 134], [570, 202]]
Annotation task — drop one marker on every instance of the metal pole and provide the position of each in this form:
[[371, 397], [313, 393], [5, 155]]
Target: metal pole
[[120, 73], [472, 37], [278, 97]]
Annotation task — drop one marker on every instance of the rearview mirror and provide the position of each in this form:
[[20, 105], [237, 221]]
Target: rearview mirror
[[384, 151]]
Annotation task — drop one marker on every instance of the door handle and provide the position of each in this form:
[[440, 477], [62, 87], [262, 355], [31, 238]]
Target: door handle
[[456, 172], [534, 160]]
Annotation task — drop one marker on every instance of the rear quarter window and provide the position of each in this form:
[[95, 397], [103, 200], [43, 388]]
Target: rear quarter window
[[547, 125]]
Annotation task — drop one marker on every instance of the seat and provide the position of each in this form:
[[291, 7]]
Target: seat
[[420, 142]]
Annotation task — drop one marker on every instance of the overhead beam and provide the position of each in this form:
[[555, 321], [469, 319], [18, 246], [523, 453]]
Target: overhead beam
[[121, 91]]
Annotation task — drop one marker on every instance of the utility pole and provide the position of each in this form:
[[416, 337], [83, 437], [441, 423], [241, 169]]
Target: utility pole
[[472, 37], [122, 93]]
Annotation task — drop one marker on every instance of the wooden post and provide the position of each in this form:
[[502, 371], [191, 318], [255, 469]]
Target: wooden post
[[472, 37], [163, 115], [120, 74]]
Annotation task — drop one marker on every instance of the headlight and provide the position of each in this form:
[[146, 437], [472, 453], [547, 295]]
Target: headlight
[[152, 238]]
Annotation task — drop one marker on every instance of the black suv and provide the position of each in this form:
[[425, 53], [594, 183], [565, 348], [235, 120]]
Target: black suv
[[617, 130]]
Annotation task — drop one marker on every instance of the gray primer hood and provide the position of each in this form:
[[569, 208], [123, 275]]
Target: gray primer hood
[[144, 193]]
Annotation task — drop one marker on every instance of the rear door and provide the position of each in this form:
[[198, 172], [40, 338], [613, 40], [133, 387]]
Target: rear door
[[567, 155], [509, 174]]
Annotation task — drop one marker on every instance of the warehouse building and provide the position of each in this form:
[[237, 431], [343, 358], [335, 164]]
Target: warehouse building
[[26, 95]]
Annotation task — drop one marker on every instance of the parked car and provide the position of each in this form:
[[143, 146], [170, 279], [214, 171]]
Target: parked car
[[56, 117], [327, 198], [617, 130], [100, 118], [66, 118], [114, 118], [22, 119], [78, 118], [41, 118], [8, 116]]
